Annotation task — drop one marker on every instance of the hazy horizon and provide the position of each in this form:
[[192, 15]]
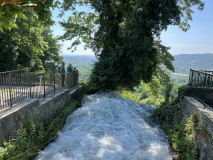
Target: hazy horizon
[[81, 54]]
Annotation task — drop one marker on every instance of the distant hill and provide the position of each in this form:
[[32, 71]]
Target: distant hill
[[82, 63], [78, 60], [197, 61], [182, 62]]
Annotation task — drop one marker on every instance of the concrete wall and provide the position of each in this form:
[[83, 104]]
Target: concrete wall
[[204, 138], [11, 120], [203, 93]]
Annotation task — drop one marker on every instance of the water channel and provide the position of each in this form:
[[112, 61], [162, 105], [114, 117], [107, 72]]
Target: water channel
[[108, 126]]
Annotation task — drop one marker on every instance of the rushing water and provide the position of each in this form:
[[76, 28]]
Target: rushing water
[[107, 126]]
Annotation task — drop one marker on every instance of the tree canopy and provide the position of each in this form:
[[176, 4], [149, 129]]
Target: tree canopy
[[125, 36], [31, 45], [10, 12]]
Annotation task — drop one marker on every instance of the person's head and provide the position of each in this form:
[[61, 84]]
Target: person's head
[[63, 63], [70, 65]]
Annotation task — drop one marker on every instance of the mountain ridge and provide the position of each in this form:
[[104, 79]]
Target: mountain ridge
[[182, 62], [195, 61]]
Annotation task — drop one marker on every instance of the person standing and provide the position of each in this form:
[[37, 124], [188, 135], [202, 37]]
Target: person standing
[[62, 70], [69, 68]]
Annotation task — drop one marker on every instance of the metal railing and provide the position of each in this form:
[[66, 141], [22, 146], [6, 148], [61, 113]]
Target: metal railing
[[13, 87], [201, 78], [201, 86], [208, 71], [19, 85]]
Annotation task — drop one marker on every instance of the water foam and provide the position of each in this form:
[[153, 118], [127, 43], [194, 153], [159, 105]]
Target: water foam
[[107, 126]]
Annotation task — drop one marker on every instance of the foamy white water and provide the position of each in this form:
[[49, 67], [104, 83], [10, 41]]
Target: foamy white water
[[107, 126]]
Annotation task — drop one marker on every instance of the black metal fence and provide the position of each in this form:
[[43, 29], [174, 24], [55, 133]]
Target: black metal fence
[[201, 86], [201, 78], [13, 87], [19, 85]]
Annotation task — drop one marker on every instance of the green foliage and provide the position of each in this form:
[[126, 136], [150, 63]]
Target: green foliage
[[10, 12], [182, 80], [132, 96], [124, 36], [30, 45], [181, 135], [157, 92], [7, 54], [32, 137], [152, 93], [82, 63], [50, 57], [154, 100], [129, 53]]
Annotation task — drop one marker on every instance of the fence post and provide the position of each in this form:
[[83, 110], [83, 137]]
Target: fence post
[[204, 81], [43, 83], [208, 80], [9, 84], [30, 81], [73, 79], [190, 74], [54, 80], [77, 77], [1, 104], [198, 78], [68, 79]]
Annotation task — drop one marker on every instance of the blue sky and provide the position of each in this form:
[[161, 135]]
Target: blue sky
[[199, 39]]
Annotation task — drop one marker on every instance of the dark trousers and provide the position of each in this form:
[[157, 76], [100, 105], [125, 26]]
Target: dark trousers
[[62, 79]]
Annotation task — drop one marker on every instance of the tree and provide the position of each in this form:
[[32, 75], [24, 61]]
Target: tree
[[15, 11], [31, 45], [124, 34], [7, 54], [50, 56]]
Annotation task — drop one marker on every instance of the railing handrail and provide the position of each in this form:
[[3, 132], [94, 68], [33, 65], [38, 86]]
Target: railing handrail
[[201, 71], [201, 85], [13, 71], [208, 74], [50, 72], [19, 85], [200, 78]]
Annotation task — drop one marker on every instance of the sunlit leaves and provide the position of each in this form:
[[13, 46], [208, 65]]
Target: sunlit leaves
[[10, 12], [187, 11], [123, 35], [80, 28], [29, 45]]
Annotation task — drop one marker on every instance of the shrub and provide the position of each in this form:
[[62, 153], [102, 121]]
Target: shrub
[[181, 134]]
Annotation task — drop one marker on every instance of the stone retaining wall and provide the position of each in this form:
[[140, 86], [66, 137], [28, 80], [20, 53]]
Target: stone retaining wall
[[11, 120], [204, 139]]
